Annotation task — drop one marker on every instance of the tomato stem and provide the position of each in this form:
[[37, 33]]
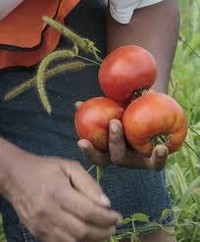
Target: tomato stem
[[160, 139], [139, 93]]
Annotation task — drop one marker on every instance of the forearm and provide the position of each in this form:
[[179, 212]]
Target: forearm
[[10, 157], [156, 29]]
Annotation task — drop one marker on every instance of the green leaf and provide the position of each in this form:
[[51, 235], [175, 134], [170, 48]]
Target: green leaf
[[140, 217], [166, 213], [126, 221], [113, 239]]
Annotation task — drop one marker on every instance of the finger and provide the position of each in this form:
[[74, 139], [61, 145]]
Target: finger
[[117, 146], [93, 155], [159, 157], [86, 210], [83, 231], [78, 104], [86, 184], [59, 236]]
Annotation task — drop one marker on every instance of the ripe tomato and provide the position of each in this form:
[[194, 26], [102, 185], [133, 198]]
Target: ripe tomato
[[92, 120], [154, 117], [127, 69]]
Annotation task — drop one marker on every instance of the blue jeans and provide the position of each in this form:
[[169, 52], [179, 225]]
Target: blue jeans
[[24, 123]]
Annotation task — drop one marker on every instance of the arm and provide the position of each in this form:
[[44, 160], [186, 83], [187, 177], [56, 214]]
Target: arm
[[42, 191], [154, 28]]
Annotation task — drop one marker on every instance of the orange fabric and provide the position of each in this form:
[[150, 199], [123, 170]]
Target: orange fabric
[[24, 28], [24, 25]]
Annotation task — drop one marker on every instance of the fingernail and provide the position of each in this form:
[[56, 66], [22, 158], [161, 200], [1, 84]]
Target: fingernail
[[114, 127], [82, 148], [105, 200], [78, 104], [161, 152]]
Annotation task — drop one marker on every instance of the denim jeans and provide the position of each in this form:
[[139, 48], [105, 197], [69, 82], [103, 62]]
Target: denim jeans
[[24, 122]]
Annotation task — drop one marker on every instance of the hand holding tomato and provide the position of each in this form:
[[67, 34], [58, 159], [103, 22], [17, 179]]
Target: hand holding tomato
[[93, 117], [121, 155], [153, 124]]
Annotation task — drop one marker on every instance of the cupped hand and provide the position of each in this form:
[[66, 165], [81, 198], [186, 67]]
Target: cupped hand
[[120, 154]]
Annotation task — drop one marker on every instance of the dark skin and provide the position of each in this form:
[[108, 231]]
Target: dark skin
[[34, 184]]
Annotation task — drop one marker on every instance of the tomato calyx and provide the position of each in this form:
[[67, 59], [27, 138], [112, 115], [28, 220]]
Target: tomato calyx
[[140, 92], [160, 139]]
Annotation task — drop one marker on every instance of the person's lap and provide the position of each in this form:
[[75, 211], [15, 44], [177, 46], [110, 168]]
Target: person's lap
[[25, 123]]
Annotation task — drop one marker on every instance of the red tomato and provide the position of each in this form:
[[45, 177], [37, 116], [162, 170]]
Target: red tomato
[[92, 120], [125, 70], [153, 117]]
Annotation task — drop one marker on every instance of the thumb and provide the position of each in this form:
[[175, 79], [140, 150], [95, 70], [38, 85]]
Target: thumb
[[86, 184], [159, 157], [78, 104]]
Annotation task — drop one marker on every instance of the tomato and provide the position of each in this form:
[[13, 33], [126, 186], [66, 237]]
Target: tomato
[[126, 70], [92, 120], [152, 118]]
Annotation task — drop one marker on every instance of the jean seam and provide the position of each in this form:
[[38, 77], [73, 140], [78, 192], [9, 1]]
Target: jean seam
[[26, 235]]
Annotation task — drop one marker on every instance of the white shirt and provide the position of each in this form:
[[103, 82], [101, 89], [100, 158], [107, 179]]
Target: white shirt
[[121, 10], [7, 6]]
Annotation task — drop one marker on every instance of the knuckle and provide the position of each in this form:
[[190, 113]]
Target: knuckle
[[83, 233], [114, 139], [158, 168], [37, 231], [70, 240], [117, 159], [76, 165], [39, 210], [88, 214]]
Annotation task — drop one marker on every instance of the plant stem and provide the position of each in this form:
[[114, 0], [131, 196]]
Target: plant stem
[[41, 75], [25, 86], [193, 130], [186, 43], [99, 173], [91, 168], [87, 59], [189, 146], [85, 44], [194, 234]]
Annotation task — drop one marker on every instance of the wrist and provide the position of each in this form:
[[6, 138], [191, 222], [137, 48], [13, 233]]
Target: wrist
[[10, 159]]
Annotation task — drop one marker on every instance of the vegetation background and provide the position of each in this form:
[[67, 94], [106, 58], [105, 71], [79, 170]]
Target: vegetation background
[[183, 168]]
